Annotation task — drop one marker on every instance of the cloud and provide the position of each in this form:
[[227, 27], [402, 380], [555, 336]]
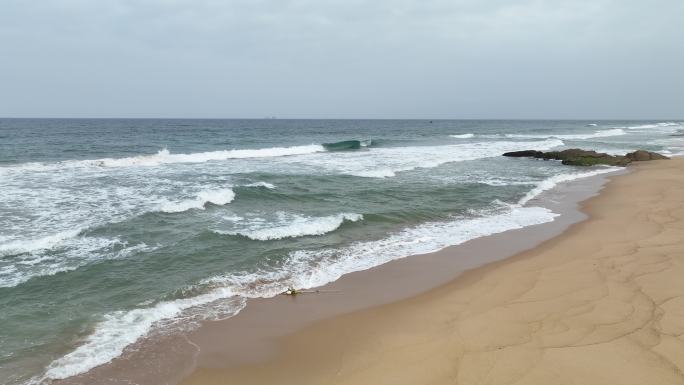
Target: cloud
[[306, 58]]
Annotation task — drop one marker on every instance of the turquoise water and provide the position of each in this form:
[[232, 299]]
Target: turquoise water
[[113, 229]]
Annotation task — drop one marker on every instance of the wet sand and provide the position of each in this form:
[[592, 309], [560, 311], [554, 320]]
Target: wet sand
[[603, 303]]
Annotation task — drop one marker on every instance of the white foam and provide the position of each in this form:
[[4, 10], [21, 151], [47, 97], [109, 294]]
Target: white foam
[[217, 197], [462, 136], [122, 328], [331, 265], [553, 181], [378, 173], [504, 182], [597, 134], [655, 125], [36, 244], [308, 269], [386, 162], [261, 184], [77, 252], [164, 156], [297, 226]]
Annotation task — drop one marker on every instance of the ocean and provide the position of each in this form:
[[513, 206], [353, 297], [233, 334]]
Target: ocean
[[114, 229]]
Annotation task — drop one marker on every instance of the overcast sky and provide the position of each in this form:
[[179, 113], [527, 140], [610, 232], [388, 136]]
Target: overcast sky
[[342, 58]]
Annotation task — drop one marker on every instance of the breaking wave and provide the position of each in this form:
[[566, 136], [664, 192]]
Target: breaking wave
[[164, 156], [549, 183], [347, 145], [297, 226], [217, 197], [597, 134]]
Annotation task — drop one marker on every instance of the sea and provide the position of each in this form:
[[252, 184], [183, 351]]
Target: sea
[[114, 229]]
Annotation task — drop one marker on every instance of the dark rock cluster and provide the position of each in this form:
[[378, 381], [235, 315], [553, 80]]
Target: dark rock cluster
[[578, 157]]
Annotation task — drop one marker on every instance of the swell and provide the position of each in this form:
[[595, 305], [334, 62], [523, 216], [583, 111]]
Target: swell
[[347, 145]]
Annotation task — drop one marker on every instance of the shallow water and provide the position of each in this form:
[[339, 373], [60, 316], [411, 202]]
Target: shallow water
[[113, 228]]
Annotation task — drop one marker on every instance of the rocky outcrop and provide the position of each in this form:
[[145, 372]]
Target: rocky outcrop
[[641, 155], [579, 157]]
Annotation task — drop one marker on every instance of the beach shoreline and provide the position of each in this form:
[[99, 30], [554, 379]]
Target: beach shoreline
[[252, 336], [600, 303]]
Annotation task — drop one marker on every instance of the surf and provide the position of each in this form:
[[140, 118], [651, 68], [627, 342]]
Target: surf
[[296, 226], [217, 197], [347, 145]]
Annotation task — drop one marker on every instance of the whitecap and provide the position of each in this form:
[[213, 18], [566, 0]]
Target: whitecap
[[386, 162], [164, 156], [654, 125], [597, 134], [20, 246], [217, 197], [78, 252], [293, 226], [267, 185], [549, 183], [120, 329]]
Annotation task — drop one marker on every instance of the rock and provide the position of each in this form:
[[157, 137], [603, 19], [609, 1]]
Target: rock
[[525, 154], [641, 155], [579, 157]]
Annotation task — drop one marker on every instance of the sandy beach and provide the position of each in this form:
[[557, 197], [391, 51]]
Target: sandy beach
[[603, 303]]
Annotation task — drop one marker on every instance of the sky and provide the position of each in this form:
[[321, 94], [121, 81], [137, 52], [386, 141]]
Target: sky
[[435, 59]]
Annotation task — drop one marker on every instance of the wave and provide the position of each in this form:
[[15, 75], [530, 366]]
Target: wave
[[380, 162], [32, 245], [164, 156], [347, 145], [462, 136], [654, 125], [217, 197], [298, 226], [121, 329], [386, 162], [303, 269], [597, 134], [77, 252], [261, 184], [548, 184]]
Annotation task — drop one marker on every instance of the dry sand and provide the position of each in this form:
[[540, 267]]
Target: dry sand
[[601, 304]]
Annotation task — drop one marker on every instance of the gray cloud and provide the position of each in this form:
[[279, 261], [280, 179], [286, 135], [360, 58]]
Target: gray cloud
[[307, 58]]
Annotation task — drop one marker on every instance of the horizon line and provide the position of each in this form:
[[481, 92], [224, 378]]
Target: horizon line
[[292, 118]]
